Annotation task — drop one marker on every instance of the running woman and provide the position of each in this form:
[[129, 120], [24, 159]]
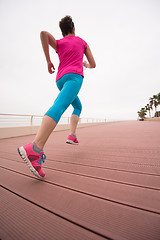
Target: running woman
[[70, 50]]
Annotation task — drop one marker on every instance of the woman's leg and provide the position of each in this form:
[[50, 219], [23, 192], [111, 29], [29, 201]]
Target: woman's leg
[[73, 124], [67, 95], [47, 126], [32, 153], [75, 115]]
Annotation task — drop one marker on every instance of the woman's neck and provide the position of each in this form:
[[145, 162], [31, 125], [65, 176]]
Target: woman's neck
[[70, 34]]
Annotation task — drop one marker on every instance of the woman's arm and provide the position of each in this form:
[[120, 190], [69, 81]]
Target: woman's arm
[[90, 58], [46, 40]]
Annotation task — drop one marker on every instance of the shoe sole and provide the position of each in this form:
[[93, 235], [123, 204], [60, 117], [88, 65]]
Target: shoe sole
[[71, 142], [23, 155]]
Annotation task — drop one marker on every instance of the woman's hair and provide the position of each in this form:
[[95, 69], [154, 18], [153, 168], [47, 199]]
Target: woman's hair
[[66, 25]]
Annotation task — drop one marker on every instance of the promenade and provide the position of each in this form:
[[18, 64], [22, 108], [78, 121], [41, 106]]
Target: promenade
[[107, 187]]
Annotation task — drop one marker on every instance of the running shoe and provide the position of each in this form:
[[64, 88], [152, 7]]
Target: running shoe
[[33, 159], [72, 140]]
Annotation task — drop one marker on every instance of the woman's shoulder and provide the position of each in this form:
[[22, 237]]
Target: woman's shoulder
[[72, 39], [81, 39]]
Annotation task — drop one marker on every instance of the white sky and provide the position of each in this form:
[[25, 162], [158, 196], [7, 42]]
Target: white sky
[[124, 36]]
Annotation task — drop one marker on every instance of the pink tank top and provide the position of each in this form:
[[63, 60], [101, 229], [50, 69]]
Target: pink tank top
[[70, 51]]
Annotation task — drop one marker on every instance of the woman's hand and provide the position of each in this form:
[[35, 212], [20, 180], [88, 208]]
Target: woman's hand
[[46, 40], [85, 64], [51, 68], [91, 62]]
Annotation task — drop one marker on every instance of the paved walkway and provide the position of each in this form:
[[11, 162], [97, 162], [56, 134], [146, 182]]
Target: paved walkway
[[108, 187]]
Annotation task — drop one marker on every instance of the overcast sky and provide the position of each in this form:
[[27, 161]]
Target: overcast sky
[[124, 36]]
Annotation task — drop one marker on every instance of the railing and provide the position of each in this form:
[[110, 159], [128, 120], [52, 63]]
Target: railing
[[16, 120]]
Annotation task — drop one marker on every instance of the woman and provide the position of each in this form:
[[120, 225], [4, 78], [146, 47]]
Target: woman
[[70, 50]]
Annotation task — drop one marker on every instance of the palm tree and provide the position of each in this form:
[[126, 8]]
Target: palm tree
[[155, 102], [151, 103], [158, 98], [148, 108], [142, 114], [158, 103]]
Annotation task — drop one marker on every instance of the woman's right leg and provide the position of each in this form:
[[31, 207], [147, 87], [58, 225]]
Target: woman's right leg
[[73, 124], [68, 94], [75, 115], [72, 139]]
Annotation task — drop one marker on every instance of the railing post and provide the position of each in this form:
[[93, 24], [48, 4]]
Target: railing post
[[31, 120]]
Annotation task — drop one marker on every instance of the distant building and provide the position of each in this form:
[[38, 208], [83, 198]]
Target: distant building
[[157, 114]]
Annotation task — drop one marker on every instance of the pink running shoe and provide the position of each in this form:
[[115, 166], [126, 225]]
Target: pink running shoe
[[72, 140], [33, 159]]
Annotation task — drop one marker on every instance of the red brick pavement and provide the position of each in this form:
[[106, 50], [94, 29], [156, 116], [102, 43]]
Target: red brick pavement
[[108, 187]]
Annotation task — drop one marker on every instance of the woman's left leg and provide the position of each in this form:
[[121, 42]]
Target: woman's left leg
[[47, 126], [32, 153]]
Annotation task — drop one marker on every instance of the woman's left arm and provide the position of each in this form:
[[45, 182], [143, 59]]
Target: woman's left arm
[[46, 40]]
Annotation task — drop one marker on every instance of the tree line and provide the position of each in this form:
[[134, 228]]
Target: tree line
[[152, 105]]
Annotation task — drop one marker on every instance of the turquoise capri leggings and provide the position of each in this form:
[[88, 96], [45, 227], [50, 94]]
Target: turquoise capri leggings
[[69, 86]]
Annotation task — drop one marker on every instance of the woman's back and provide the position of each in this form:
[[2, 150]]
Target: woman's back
[[70, 50]]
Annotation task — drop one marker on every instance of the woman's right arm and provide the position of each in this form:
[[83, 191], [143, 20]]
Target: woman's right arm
[[91, 62], [46, 40]]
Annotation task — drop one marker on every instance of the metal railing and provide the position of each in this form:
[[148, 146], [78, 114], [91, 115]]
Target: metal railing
[[16, 120]]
